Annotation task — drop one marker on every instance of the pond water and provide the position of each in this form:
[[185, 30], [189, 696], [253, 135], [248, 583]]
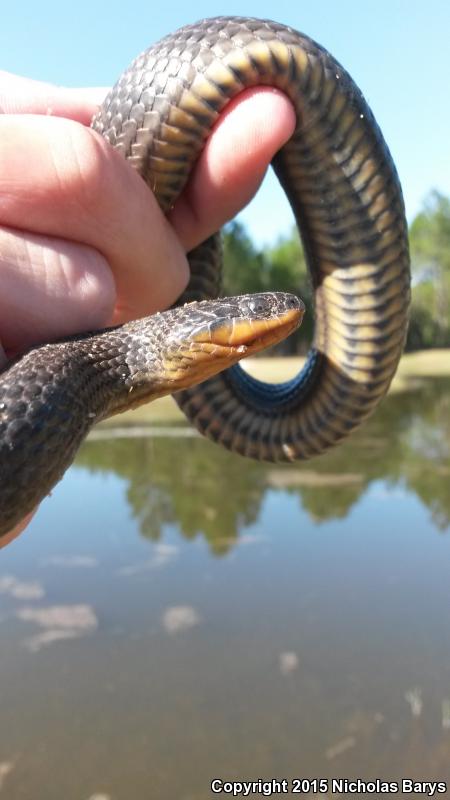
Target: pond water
[[176, 614]]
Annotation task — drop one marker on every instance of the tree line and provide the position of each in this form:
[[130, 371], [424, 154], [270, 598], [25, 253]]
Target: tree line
[[406, 444], [283, 266]]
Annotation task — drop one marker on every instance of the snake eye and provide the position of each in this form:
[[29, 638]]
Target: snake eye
[[257, 306]]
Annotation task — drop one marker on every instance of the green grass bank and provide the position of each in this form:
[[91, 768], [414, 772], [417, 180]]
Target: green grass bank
[[413, 367]]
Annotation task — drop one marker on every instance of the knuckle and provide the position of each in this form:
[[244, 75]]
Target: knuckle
[[87, 172]]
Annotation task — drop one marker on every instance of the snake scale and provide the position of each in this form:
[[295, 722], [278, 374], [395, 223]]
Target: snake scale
[[345, 194]]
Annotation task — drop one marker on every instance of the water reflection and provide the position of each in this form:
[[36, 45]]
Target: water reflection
[[406, 444], [136, 663], [56, 623]]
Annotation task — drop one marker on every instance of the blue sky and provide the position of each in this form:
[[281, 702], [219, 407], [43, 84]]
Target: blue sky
[[397, 51]]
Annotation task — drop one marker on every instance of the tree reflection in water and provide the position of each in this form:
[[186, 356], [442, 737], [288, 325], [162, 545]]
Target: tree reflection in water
[[207, 491]]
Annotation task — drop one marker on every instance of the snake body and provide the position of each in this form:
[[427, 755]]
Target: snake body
[[345, 194]]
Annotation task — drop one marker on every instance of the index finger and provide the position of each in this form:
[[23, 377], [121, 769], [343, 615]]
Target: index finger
[[19, 95]]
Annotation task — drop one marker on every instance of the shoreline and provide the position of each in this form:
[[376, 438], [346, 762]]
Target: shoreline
[[412, 368]]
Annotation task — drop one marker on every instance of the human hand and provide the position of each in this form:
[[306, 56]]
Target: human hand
[[83, 243]]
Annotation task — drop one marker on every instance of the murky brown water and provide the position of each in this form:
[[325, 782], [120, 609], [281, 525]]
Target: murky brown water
[[176, 614]]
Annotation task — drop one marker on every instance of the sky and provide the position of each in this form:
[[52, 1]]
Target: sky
[[397, 51]]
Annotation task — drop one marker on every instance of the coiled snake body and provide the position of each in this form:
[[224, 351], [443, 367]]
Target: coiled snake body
[[343, 187]]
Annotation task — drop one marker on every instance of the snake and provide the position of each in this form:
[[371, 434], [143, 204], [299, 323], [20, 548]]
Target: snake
[[343, 187]]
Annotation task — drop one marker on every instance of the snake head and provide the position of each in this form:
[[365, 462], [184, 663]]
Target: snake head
[[178, 348], [209, 336]]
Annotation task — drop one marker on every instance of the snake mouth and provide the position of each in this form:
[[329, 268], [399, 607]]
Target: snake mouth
[[246, 336]]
